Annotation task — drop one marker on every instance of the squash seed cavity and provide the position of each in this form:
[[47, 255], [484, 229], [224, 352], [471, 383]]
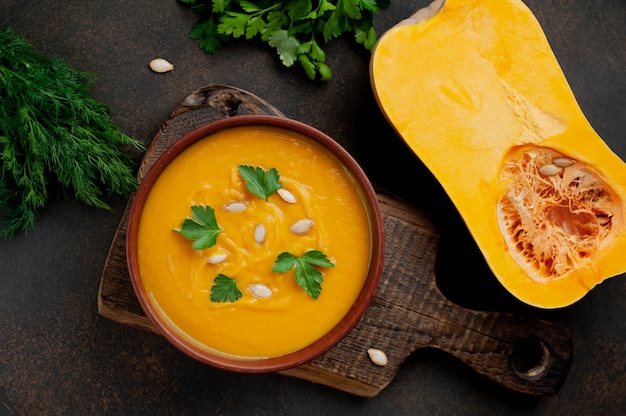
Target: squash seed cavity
[[556, 212]]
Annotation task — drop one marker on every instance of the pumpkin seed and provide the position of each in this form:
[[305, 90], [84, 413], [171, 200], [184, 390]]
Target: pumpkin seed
[[563, 162], [161, 65], [377, 356], [286, 195], [216, 258], [235, 207], [259, 234], [301, 226], [260, 290], [549, 169]]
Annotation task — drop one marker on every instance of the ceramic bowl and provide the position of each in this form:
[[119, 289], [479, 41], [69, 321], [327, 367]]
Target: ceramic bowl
[[262, 364]]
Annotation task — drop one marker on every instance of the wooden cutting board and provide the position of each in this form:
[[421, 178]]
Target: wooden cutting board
[[408, 312]]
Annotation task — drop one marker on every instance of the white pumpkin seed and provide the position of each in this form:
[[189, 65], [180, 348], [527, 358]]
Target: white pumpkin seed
[[563, 162], [216, 258], [260, 290], [160, 65], [286, 195], [549, 169], [377, 356], [301, 226], [259, 234], [235, 207]]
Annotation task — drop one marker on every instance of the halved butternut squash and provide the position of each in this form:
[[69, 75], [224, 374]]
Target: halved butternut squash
[[474, 89]]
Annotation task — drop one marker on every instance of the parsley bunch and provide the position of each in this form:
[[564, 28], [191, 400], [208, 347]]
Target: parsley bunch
[[295, 28], [52, 133]]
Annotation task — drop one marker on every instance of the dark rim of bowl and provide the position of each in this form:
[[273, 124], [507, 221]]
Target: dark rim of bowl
[[337, 333]]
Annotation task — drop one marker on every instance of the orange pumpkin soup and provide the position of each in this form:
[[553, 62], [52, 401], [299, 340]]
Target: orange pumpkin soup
[[281, 318]]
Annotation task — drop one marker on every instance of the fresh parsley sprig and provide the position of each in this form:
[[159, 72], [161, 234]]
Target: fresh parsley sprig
[[202, 227], [225, 289], [296, 29], [54, 135], [307, 276], [260, 182]]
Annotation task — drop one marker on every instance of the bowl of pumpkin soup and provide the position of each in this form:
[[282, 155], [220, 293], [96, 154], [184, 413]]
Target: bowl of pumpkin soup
[[255, 243]]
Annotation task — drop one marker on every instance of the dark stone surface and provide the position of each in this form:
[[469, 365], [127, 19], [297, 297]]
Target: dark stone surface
[[59, 357]]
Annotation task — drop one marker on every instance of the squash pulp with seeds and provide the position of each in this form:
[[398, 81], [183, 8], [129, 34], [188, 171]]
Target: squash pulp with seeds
[[474, 89]]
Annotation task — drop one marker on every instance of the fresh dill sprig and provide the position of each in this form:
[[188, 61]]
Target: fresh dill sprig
[[54, 134]]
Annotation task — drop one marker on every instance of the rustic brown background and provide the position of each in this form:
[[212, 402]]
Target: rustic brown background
[[58, 356]]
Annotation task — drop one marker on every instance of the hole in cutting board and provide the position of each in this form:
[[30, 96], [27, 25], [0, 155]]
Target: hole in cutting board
[[530, 358]]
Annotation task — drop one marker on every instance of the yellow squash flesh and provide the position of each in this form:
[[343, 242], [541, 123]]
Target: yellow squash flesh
[[477, 93]]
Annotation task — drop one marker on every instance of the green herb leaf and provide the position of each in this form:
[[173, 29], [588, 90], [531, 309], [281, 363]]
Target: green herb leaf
[[307, 276], [225, 289], [260, 182], [206, 33], [234, 24], [202, 227], [286, 25], [254, 27], [54, 136], [286, 45]]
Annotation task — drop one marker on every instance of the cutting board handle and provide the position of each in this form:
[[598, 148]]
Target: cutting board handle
[[525, 354]]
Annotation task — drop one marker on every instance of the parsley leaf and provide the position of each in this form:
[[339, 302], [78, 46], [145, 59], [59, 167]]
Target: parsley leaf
[[225, 289], [234, 24], [202, 227], [286, 45], [206, 34], [286, 25], [260, 182], [307, 276]]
